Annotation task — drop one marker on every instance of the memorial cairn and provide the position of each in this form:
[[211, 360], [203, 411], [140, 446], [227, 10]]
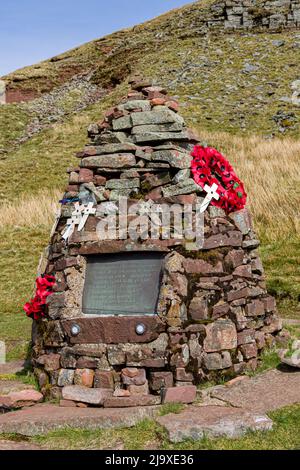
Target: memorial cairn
[[128, 321]]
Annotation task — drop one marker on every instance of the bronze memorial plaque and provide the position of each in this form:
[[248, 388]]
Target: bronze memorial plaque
[[122, 284]]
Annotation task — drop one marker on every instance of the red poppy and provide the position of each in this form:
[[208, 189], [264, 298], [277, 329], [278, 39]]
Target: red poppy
[[35, 308], [210, 166]]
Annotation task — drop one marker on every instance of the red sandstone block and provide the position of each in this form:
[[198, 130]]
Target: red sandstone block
[[199, 266], [104, 379], [269, 304], [249, 350], [99, 180], [50, 361], [67, 403], [158, 101], [133, 376], [85, 175], [246, 336], [64, 263], [84, 377], [220, 309], [126, 402], [238, 294], [181, 394], [72, 188], [139, 389], [183, 376], [161, 379], [255, 308], [243, 271], [172, 104], [86, 363]]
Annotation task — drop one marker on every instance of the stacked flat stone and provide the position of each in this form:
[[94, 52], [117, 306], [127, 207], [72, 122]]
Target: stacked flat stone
[[214, 315]]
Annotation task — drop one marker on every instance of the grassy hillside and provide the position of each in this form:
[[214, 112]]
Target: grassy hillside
[[234, 90]]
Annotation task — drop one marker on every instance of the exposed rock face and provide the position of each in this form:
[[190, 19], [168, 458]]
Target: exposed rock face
[[213, 313]]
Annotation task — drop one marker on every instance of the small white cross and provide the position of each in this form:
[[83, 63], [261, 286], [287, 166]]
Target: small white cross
[[79, 217], [211, 194]]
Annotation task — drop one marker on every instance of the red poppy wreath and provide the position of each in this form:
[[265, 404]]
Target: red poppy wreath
[[210, 167], [35, 308]]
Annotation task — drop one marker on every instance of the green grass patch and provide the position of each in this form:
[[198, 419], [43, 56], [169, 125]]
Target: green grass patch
[[281, 264], [285, 435], [26, 377], [269, 359], [21, 248], [168, 408], [13, 122]]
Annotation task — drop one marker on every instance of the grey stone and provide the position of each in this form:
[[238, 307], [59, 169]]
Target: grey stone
[[181, 176], [145, 129], [123, 184], [156, 117], [220, 335], [122, 123], [109, 161], [186, 187], [98, 192], [250, 244], [294, 360], [248, 68], [216, 361], [92, 396], [159, 136], [115, 194], [111, 148], [242, 220], [195, 423], [65, 377], [174, 158], [144, 105], [106, 208]]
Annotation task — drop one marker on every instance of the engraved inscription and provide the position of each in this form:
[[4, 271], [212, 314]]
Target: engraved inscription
[[122, 284]]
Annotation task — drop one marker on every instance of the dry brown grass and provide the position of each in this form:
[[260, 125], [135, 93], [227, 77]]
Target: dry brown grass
[[30, 211], [270, 171]]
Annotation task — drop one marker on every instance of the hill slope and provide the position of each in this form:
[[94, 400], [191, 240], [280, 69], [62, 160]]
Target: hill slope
[[235, 87]]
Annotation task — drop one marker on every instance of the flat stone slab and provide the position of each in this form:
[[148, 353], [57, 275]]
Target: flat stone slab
[[8, 386], [265, 392], [13, 445], [212, 421], [42, 418], [12, 367]]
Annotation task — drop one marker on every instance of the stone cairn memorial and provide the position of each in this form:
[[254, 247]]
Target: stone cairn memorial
[[140, 322]]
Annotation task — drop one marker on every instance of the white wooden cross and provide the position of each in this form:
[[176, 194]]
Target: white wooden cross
[[79, 217], [211, 194]]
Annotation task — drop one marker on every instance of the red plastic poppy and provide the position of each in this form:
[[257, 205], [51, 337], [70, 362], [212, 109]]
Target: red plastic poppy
[[35, 308], [210, 166]]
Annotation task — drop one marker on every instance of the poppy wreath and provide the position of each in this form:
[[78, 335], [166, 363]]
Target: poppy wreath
[[35, 308], [208, 167]]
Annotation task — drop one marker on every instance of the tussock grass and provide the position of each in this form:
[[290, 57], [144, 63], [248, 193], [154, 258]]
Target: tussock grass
[[270, 171], [30, 211]]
